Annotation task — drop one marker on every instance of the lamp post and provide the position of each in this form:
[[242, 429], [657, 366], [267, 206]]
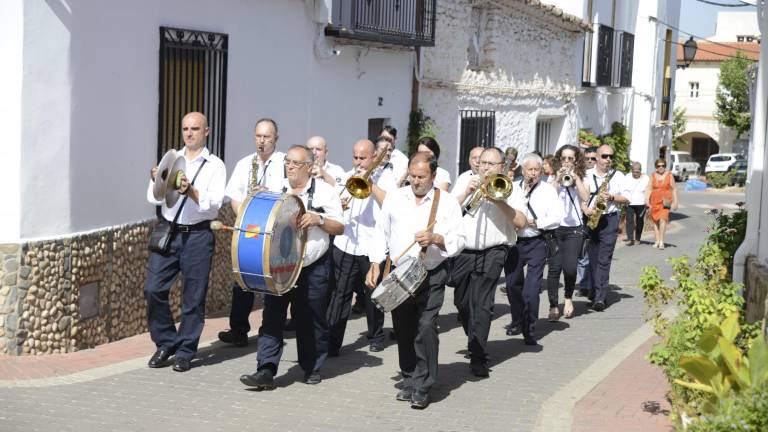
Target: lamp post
[[689, 52]]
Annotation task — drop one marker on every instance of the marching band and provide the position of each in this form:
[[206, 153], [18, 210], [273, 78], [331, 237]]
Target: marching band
[[308, 235]]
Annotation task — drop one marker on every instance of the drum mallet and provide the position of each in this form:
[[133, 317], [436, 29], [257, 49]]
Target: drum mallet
[[219, 226]]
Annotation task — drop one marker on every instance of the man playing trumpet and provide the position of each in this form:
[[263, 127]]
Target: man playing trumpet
[[322, 169], [476, 270]]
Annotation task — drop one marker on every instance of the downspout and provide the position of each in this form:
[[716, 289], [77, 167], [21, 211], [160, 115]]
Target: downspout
[[754, 184]]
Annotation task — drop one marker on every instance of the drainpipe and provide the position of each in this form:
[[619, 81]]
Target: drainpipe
[[754, 184]]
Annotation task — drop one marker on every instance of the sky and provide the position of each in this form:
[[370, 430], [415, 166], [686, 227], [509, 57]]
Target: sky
[[700, 18]]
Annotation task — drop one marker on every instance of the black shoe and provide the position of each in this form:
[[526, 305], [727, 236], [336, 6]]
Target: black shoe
[[290, 325], [598, 306], [479, 369], [404, 394], [514, 330], [376, 347], [262, 380], [419, 400], [182, 365], [159, 358], [233, 338], [530, 341], [358, 308], [313, 378]]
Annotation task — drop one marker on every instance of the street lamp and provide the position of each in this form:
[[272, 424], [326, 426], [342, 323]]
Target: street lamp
[[689, 52]]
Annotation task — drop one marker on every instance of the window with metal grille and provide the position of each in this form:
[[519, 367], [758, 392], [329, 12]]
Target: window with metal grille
[[604, 55], [193, 77], [627, 52], [478, 129], [543, 134]]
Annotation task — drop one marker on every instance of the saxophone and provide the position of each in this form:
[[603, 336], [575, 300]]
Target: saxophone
[[600, 203], [254, 184]]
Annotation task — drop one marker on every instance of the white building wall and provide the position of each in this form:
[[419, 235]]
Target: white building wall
[[732, 24], [528, 72], [707, 75], [12, 35], [91, 97]]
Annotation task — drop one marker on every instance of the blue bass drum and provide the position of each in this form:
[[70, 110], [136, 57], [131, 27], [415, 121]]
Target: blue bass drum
[[268, 248]]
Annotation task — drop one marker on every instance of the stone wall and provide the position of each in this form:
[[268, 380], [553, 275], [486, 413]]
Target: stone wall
[[66, 294], [756, 286]]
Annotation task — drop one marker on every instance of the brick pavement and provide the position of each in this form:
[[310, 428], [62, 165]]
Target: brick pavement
[[633, 396]]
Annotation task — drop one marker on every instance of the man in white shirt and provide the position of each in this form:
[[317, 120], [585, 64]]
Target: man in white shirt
[[191, 249], [602, 240], [404, 218], [635, 186], [541, 206], [397, 158], [262, 170], [308, 299], [350, 253], [323, 169], [476, 270], [462, 181]]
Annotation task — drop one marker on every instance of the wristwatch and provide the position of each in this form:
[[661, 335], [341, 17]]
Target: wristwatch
[[322, 220]]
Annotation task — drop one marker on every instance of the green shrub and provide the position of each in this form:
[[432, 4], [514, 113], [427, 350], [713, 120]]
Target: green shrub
[[727, 232], [420, 125], [719, 180], [747, 411], [620, 140]]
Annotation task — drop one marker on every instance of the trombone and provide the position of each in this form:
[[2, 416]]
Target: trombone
[[359, 186], [495, 186]]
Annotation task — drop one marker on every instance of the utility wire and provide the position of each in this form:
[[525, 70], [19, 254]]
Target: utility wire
[[711, 52], [743, 4], [699, 37]]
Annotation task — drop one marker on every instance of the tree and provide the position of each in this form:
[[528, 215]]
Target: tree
[[679, 124], [732, 97]]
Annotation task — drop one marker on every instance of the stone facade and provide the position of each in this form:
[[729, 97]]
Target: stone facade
[[66, 294], [507, 56]]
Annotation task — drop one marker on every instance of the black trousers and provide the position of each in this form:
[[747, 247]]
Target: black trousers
[[415, 324], [565, 261], [191, 254], [602, 242], [308, 303], [475, 275], [350, 271], [635, 221], [524, 298]]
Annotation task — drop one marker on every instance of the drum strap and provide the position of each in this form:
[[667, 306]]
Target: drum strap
[[184, 200], [311, 193]]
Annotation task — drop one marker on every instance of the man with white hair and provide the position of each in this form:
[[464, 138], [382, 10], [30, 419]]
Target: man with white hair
[[543, 213]]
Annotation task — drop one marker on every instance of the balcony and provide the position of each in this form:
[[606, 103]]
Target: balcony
[[398, 22]]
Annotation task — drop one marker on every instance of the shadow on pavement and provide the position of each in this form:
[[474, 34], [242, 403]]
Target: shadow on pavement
[[220, 352], [677, 216], [615, 295]]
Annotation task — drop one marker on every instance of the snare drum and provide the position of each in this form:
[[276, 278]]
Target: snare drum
[[268, 249], [401, 283]]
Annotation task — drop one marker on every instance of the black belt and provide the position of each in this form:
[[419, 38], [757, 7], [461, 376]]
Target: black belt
[[527, 239], [200, 226], [479, 251]]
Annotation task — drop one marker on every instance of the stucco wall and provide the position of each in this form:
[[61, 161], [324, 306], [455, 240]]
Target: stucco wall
[[90, 91]]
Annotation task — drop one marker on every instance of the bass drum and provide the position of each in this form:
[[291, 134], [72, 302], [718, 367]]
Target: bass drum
[[268, 249]]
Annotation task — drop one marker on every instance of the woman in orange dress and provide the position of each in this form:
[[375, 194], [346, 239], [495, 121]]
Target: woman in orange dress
[[661, 196]]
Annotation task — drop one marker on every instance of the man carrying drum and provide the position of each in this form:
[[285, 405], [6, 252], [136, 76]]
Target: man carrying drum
[[259, 171], [405, 216], [309, 299], [350, 252], [475, 271]]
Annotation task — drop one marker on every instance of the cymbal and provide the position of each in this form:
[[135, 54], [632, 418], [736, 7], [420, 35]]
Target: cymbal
[[169, 172]]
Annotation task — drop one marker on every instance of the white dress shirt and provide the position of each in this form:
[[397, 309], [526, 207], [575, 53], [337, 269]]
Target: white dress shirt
[[545, 204], [324, 198], [240, 182], [489, 227], [442, 176], [401, 218], [593, 180], [572, 214], [210, 188], [635, 188], [462, 181], [399, 163], [360, 217], [334, 171]]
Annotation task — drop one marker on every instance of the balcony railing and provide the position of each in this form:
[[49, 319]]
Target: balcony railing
[[399, 22]]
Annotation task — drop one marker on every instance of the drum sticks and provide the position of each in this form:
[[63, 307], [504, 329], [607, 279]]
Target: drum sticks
[[219, 226]]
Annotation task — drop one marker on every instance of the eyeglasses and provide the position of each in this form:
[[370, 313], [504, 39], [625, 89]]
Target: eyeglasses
[[489, 163], [567, 158], [593, 159], [661, 166], [293, 163], [607, 156]]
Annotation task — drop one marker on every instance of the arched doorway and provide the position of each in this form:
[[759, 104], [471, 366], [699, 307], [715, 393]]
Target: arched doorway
[[700, 146]]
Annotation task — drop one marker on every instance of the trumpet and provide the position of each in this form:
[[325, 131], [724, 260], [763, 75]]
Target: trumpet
[[567, 179], [359, 186], [495, 186]]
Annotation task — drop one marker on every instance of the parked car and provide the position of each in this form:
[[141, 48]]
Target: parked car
[[683, 165], [720, 162], [738, 172]]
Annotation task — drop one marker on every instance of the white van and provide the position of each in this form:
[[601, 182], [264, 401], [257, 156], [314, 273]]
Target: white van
[[683, 165], [720, 162]]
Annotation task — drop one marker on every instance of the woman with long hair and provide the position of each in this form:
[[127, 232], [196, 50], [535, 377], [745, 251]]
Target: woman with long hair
[[661, 196], [430, 145], [568, 169]]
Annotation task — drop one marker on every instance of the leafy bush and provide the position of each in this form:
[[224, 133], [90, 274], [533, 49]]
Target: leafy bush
[[619, 139], [588, 139], [420, 125], [727, 232], [719, 180], [746, 411]]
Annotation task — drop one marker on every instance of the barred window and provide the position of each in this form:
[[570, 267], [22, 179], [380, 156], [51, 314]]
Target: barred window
[[193, 77], [478, 129]]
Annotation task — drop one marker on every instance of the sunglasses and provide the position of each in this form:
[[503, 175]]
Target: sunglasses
[[607, 156], [567, 158], [661, 166], [593, 159]]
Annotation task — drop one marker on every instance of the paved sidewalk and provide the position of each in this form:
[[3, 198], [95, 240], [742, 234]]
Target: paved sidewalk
[[631, 399]]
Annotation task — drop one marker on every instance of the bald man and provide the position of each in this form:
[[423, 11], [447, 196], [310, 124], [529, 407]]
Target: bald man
[[322, 169], [191, 249]]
